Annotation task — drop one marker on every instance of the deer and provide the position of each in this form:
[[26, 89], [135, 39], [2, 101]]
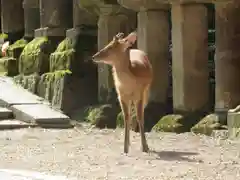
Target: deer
[[132, 75]]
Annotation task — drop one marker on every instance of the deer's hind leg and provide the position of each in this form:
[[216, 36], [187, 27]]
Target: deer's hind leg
[[125, 106], [139, 109]]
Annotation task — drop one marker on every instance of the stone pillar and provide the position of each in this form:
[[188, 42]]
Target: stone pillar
[[55, 17], [153, 38], [227, 59], [12, 19], [190, 57], [31, 17], [112, 19], [82, 21]]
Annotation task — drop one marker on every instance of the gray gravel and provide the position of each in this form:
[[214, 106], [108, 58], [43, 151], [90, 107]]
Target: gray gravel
[[89, 153]]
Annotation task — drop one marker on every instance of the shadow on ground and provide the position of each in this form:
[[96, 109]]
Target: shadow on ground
[[176, 156]]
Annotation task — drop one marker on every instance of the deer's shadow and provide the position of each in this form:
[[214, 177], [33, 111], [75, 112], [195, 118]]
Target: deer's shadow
[[176, 156]]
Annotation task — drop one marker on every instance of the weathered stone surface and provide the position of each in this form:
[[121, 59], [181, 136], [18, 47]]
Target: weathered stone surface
[[81, 16], [12, 16], [55, 18], [227, 56], [190, 57], [39, 113], [31, 17], [9, 66], [233, 123], [5, 113], [56, 13], [29, 82]]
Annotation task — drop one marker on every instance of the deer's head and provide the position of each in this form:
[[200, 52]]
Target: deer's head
[[115, 49]]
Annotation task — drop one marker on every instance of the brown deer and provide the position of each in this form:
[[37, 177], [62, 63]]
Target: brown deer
[[132, 74]]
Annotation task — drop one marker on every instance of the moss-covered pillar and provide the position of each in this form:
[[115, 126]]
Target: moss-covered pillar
[[31, 17], [112, 19], [55, 18], [190, 57], [12, 17], [227, 60]]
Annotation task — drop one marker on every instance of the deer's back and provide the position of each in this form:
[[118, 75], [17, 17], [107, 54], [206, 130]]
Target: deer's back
[[140, 64], [139, 75]]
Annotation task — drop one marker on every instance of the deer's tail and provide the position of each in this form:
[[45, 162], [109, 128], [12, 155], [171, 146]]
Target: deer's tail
[[146, 96]]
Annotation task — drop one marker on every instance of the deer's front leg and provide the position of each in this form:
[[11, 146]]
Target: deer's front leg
[[125, 106]]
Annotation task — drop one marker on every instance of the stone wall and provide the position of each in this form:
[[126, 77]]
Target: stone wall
[[51, 55]]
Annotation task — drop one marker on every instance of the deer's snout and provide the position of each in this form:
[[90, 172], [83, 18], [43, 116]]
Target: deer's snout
[[99, 56], [96, 56]]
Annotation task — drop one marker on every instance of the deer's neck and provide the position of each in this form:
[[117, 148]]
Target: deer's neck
[[123, 63]]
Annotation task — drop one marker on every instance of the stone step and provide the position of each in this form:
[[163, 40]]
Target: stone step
[[14, 124], [39, 114], [12, 94], [5, 113], [30, 108]]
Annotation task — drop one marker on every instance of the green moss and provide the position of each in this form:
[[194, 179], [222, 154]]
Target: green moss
[[120, 120], [100, 116], [16, 48], [61, 60], [169, 123], [64, 45], [32, 58], [21, 43], [207, 125], [63, 56], [3, 36]]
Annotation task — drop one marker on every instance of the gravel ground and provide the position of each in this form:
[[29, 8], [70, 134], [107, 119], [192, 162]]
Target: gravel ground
[[85, 153]]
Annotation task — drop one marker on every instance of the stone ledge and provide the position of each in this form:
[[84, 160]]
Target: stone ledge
[[52, 32], [5, 113], [39, 114], [75, 31], [144, 5]]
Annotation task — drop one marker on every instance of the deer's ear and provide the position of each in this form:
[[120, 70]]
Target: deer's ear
[[131, 38]]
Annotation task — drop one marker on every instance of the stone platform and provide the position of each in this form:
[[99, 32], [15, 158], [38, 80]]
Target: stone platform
[[28, 109]]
